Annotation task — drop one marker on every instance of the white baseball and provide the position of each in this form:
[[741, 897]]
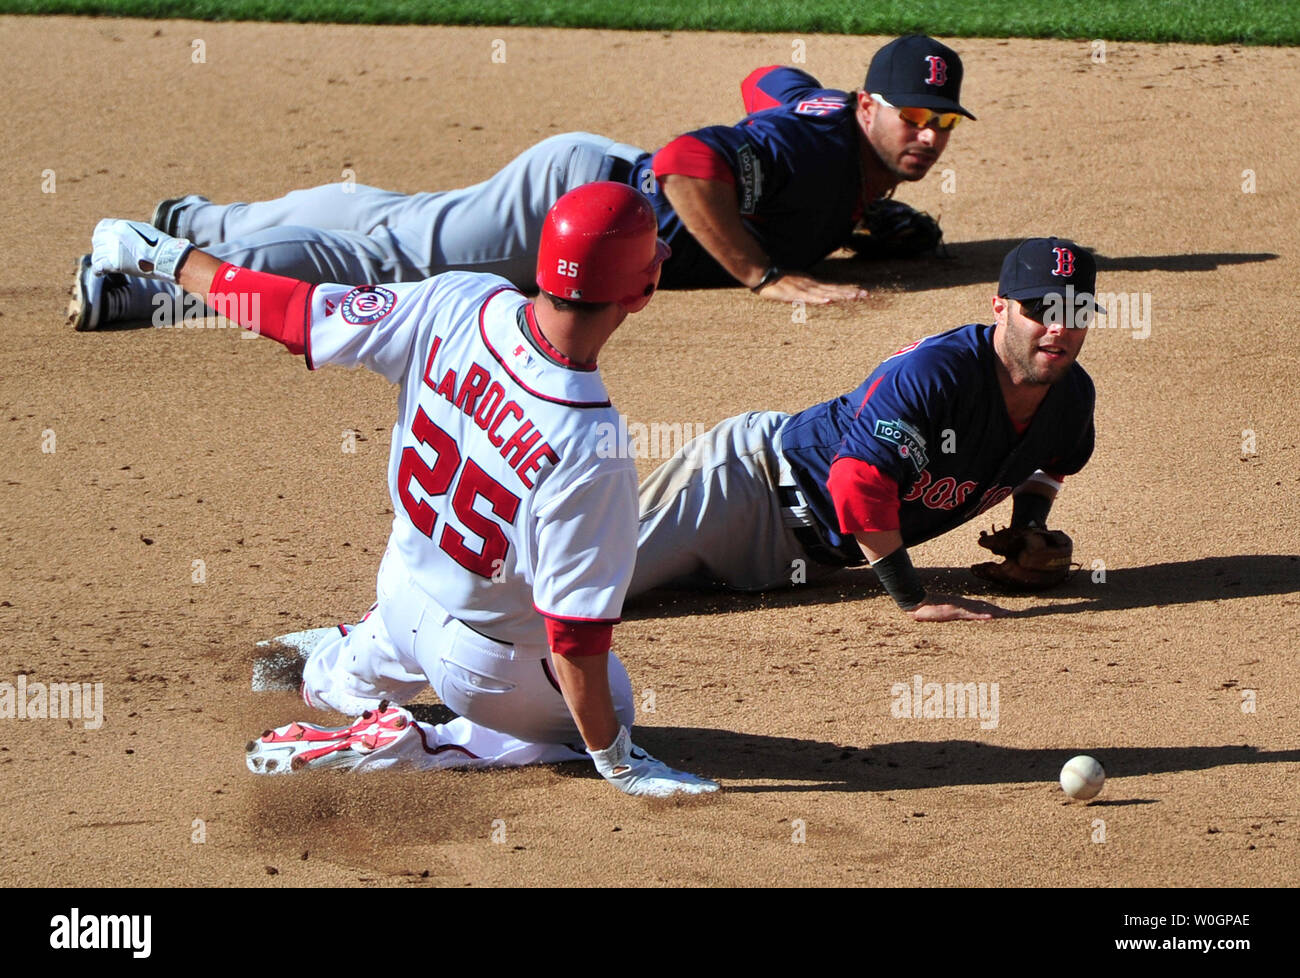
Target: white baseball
[[1082, 777]]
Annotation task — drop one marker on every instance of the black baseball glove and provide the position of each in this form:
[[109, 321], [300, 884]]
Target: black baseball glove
[[891, 229]]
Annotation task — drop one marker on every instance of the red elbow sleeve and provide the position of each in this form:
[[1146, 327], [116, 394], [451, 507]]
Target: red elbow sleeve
[[579, 638], [272, 305], [865, 499]]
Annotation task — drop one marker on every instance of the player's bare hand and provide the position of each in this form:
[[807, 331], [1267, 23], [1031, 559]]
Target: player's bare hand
[[793, 287], [951, 607], [631, 770]]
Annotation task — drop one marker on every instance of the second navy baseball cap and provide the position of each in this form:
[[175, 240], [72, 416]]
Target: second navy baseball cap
[[917, 71], [1040, 267]]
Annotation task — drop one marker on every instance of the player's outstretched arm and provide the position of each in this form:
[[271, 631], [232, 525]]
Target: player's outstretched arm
[[584, 682], [708, 209], [888, 557], [135, 248]]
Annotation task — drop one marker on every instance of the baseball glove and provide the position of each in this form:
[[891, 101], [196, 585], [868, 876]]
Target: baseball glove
[[891, 229], [1034, 559]]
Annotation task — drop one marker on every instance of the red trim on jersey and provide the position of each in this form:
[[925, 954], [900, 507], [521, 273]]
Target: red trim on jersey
[[755, 99], [482, 332], [865, 499], [281, 309], [689, 157], [870, 390], [540, 339], [306, 344], [1020, 428], [1053, 475], [578, 639]]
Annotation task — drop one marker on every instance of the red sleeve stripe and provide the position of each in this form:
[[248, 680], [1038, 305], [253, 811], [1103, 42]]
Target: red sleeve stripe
[[870, 390], [579, 638], [865, 499], [272, 305], [754, 97], [689, 157]]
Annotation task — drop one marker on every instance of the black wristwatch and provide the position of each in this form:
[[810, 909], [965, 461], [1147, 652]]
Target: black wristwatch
[[771, 275]]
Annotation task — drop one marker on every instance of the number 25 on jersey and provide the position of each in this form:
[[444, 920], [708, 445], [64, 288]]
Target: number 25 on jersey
[[471, 482]]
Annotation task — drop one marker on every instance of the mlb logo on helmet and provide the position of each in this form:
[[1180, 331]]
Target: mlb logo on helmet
[[917, 71]]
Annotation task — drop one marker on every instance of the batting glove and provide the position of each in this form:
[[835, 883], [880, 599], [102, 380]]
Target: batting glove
[[631, 770], [136, 248]]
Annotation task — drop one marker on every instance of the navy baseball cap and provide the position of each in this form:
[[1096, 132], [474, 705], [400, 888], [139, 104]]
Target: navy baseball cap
[[917, 71], [1041, 267]]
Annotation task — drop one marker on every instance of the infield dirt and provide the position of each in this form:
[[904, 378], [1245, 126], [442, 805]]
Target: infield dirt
[[129, 455]]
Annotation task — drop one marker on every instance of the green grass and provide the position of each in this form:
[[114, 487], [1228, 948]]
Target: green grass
[[1195, 21]]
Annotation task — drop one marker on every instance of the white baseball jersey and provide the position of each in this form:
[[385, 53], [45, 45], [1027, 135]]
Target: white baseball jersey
[[503, 507]]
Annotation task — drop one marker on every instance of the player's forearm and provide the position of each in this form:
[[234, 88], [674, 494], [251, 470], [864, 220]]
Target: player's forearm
[[710, 213], [197, 271], [894, 567], [879, 544], [272, 305], [584, 682], [890, 560], [1033, 501]]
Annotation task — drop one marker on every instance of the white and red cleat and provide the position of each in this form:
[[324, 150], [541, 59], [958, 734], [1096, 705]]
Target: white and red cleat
[[299, 746]]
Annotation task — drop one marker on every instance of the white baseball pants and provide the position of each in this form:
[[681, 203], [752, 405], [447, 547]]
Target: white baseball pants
[[511, 711]]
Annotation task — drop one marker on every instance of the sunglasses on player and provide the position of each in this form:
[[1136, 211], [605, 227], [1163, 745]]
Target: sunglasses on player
[[922, 118], [1051, 310]]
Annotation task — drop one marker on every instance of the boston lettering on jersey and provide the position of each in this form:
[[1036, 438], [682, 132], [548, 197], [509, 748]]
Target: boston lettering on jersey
[[932, 418], [483, 399]]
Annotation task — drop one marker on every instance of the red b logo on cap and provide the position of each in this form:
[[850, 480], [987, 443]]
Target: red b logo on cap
[[938, 70], [1064, 262]]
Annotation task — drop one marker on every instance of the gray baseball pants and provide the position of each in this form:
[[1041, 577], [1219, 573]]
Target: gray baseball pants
[[356, 234], [712, 515]]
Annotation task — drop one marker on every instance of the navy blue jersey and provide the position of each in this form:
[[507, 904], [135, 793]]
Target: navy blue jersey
[[933, 419], [797, 174]]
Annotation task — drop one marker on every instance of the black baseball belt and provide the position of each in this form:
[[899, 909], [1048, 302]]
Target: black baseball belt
[[810, 538]]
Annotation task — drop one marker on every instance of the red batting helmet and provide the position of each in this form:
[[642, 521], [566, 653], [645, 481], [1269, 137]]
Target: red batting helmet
[[600, 244]]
